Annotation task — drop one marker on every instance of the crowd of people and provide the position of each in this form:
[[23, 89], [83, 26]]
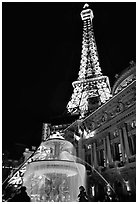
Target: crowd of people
[[21, 196], [83, 197]]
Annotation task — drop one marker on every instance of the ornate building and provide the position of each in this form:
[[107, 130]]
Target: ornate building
[[107, 140], [104, 136]]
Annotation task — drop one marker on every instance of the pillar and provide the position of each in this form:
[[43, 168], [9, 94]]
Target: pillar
[[122, 145], [133, 145], [81, 150], [105, 152], [92, 160], [125, 136], [83, 154], [109, 155], [95, 155]]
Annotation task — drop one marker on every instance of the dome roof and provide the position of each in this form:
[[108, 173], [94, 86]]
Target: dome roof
[[125, 78]]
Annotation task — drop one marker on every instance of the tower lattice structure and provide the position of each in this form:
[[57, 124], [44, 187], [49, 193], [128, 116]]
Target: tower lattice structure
[[91, 86]]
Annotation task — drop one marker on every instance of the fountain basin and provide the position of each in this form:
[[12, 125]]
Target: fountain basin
[[54, 180]]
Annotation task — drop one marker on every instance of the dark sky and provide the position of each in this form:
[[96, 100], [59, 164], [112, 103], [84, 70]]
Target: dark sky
[[41, 58]]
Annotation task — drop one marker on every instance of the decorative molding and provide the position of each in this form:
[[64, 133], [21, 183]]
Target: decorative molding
[[125, 78]]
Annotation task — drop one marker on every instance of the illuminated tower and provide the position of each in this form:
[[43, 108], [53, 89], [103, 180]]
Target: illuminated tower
[[91, 89]]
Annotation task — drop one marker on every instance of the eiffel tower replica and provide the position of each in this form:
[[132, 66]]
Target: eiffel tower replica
[[91, 89]]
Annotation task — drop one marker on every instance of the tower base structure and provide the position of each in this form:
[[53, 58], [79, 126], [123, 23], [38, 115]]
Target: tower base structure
[[89, 94]]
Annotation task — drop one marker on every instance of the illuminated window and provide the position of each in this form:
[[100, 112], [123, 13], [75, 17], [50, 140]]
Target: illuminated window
[[133, 124], [127, 185], [116, 151], [115, 133], [108, 188], [93, 191], [101, 157], [120, 152], [89, 146], [132, 144]]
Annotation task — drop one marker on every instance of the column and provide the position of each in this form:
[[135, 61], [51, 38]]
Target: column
[[122, 145], [83, 154], [81, 150], [127, 150], [109, 155], [133, 145], [95, 155], [105, 152], [92, 161]]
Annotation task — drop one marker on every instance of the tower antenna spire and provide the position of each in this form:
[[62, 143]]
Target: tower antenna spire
[[86, 5]]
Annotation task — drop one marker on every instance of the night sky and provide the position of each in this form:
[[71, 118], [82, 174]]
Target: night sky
[[41, 54]]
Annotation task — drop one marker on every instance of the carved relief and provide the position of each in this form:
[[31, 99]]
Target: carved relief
[[104, 117], [90, 125], [120, 107]]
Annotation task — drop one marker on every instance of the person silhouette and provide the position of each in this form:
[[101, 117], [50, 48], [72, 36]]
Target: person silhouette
[[82, 195], [21, 196]]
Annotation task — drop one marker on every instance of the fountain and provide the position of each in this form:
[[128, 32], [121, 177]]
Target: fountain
[[97, 172], [54, 175]]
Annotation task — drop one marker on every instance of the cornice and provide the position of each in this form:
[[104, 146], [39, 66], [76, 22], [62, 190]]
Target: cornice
[[131, 70]]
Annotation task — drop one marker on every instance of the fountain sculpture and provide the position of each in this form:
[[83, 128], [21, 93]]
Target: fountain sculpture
[[54, 175]]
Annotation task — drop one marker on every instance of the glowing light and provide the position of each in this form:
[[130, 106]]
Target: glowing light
[[108, 189], [46, 131], [90, 82], [93, 192], [91, 134], [57, 135], [76, 137], [127, 185], [85, 133], [80, 131], [86, 5], [89, 146]]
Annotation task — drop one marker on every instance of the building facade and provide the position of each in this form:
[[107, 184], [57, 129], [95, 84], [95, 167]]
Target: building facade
[[108, 136]]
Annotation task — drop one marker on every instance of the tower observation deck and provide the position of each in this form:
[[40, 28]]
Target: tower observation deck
[[91, 88]]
